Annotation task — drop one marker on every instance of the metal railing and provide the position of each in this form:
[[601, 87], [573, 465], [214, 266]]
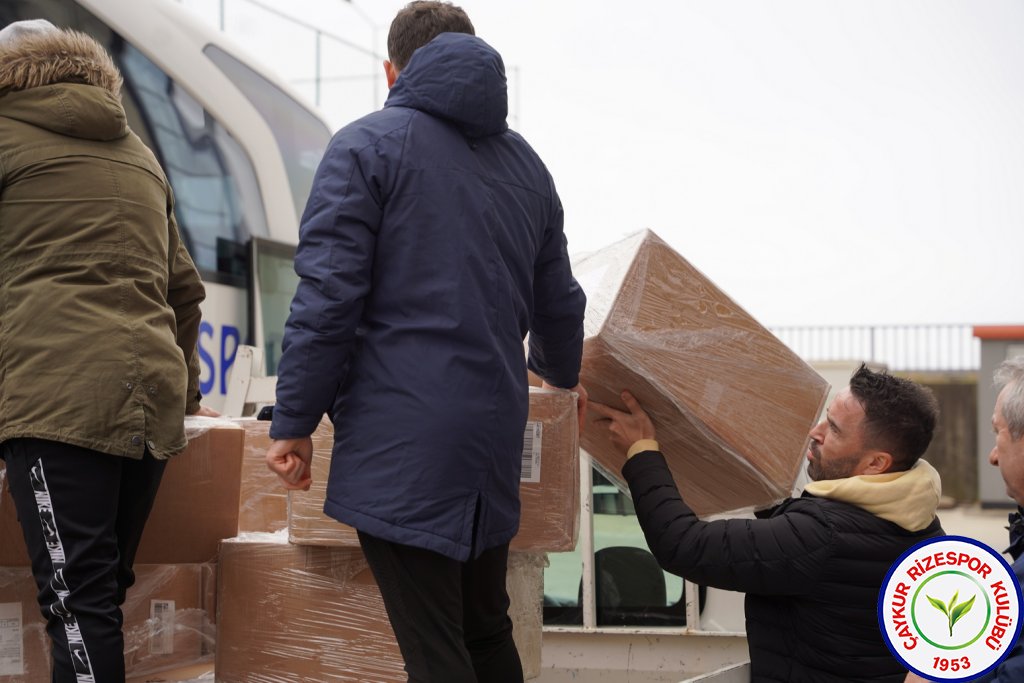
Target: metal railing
[[905, 348], [344, 77]]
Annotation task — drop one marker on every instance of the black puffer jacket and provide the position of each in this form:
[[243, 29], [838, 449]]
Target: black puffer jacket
[[811, 569]]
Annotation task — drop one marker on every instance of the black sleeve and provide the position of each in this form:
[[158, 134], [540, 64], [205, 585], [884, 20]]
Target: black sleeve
[[781, 555]]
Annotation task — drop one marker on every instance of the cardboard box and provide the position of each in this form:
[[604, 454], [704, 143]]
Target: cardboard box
[[307, 523], [197, 504], [548, 491], [165, 624], [308, 614], [165, 618], [263, 501], [185, 674], [732, 404], [13, 552]]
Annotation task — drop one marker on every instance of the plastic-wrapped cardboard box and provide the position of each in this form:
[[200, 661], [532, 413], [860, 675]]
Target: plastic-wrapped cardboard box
[[305, 614], [548, 490], [165, 623], [732, 404], [197, 504], [185, 674], [263, 504]]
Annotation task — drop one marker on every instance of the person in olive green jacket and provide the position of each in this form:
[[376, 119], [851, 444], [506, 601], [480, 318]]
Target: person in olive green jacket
[[99, 319]]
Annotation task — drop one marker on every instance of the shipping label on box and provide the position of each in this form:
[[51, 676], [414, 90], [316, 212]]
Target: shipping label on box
[[12, 658], [24, 644], [161, 627], [533, 440], [548, 491]]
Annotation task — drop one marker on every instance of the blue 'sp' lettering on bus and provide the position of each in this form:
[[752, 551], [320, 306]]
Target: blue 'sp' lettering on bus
[[216, 354]]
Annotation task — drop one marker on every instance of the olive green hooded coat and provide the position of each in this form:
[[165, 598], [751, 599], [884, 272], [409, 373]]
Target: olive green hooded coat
[[99, 301]]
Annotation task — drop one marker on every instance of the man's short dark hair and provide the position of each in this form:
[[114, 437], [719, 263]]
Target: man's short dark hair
[[899, 415], [420, 22]]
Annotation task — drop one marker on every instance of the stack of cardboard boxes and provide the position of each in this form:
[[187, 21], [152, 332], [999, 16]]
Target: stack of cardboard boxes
[[301, 605], [222, 569], [168, 612]]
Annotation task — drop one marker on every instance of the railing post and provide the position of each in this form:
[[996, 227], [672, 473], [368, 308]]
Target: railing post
[[586, 541]]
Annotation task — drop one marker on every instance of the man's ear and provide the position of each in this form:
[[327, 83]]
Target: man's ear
[[876, 462], [390, 72]]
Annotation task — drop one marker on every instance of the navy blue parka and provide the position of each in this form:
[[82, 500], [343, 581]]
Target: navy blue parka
[[431, 244]]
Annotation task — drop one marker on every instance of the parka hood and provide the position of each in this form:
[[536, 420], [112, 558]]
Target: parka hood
[[63, 81], [58, 56], [457, 77]]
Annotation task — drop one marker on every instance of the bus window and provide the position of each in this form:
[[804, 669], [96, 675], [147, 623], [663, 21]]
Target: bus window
[[217, 197], [630, 588], [274, 284], [300, 135]]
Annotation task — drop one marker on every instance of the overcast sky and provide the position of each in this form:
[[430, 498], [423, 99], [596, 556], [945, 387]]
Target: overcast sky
[[822, 161]]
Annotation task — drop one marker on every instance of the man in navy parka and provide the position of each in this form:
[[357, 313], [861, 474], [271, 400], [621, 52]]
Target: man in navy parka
[[431, 243]]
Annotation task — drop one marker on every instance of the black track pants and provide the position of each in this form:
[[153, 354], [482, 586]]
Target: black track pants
[[82, 513], [450, 618]]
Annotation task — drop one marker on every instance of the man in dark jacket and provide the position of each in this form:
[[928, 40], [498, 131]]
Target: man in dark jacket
[[811, 567], [99, 318], [1008, 456], [431, 244]]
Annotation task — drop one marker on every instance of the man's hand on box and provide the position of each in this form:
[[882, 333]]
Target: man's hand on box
[[290, 460], [624, 428], [206, 412]]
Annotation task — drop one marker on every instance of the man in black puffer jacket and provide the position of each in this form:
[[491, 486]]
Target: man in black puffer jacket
[[811, 567]]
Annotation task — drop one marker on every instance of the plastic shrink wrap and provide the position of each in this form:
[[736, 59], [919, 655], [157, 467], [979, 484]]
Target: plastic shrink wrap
[[306, 614], [548, 490], [732, 404], [264, 500], [165, 623]]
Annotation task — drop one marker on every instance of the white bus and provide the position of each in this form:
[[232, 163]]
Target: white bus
[[239, 148]]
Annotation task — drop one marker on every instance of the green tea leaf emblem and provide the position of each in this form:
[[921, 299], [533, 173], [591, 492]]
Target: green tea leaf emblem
[[954, 612]]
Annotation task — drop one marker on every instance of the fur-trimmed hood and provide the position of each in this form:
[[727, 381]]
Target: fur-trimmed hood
[[57, 56], [62, 81]]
